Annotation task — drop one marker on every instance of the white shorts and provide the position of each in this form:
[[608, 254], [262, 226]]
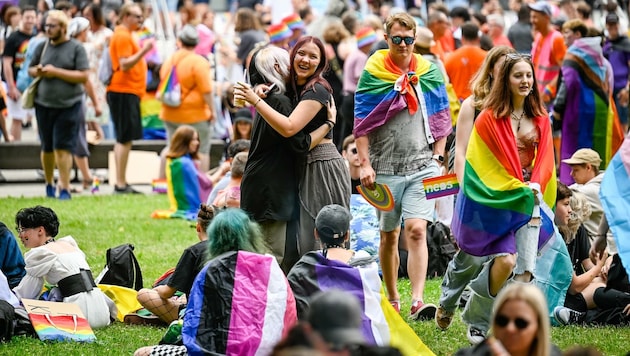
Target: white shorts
[[15, 109]]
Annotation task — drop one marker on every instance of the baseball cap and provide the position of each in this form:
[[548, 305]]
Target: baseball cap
[[366, 37], [243, 114], [336, 315], [584, 155], [541, 6], [612, 18], [332, 222], [189, 36], [279, 32]]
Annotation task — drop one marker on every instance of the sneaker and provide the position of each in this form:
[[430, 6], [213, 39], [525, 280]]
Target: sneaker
[[567, 316], [50, 191], [64, 194], [421, 311], [475, 336], [125, 190], [396, 305], [443, 318]]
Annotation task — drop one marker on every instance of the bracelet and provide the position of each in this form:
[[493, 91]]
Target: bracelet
[[330, 124], [257, 101]]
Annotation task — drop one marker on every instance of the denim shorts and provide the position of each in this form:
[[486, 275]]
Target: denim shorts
[[409, 197]]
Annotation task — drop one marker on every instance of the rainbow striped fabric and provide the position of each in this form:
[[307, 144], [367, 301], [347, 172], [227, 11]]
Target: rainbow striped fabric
[[62, 328], [494, 201], [590, 119], [441, 186], [240, 304], [382, 325], [183, 189], [615, 197], [383, 91]]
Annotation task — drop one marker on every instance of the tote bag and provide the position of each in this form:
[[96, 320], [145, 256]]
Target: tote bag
[[28, 97]]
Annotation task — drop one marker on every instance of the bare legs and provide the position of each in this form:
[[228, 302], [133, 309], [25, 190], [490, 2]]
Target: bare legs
[[121, 155]]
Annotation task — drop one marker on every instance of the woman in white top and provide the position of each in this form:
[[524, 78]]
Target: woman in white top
[[59, 262]]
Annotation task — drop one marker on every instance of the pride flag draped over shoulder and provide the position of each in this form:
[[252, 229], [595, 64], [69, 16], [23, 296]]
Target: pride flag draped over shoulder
[[493, 201], [381, 324], [240, 304], [183, 189], [615, 197], [383, 91], [590, 118]]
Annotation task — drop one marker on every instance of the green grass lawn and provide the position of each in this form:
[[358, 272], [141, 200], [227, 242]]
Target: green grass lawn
[[99, 222]]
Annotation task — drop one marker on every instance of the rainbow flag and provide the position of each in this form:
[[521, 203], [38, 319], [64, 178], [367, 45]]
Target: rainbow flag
[[143, 36], [441, 186], [240, 304], [494, 200], [590, 118], [159, 186], [381, 324], [383, 91], [615, 197], [183, 189]]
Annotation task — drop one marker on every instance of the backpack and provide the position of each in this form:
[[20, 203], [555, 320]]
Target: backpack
[[441, 249], [105, 66], [122, 268]]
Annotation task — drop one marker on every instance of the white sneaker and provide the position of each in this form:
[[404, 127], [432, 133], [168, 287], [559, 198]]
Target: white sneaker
[[474, 335], [567, 316]]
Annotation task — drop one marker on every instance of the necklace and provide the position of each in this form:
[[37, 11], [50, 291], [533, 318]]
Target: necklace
[[49, 241], [517, 119]]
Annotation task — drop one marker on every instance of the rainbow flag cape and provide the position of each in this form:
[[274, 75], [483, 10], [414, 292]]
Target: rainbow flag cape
[[615, 196], [494, 201], [381, 325], [240, 304], [383, 91], [590, 118], [183, 189]]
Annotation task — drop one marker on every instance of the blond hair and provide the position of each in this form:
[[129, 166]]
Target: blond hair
[[60, 16]]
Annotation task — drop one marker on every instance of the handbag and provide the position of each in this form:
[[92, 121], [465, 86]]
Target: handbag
[[169, 92], [28, 96], [58, 321]]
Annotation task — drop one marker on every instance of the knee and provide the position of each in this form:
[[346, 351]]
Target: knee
[[417, 231], [145, 295], [505, 263], [143, 351]]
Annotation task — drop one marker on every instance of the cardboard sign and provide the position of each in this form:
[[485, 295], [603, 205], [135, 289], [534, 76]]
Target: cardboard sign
[[441, 186], [55, 321]]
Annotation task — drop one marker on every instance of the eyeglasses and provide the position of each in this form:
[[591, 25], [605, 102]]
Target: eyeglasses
[[398, 40], [514, 56], [51, 25], [20, 229], [503, 321], [354, 151]]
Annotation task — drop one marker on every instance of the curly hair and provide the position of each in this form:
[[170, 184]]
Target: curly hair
[[38, 216]]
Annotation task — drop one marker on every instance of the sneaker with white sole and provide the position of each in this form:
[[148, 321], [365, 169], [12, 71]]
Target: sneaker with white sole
[[422, 311], [443, 318], [474, 335], [568, 316]]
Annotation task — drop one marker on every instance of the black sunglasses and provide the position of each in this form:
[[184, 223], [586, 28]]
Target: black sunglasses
[[503, 321], [398, 39]]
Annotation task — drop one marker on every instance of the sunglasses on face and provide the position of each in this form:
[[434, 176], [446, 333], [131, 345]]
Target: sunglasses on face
[[503, 321], [398, 40]]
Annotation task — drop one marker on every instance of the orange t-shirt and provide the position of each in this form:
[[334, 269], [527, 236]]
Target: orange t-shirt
[[193, 73], [461, 66], [134, 80]]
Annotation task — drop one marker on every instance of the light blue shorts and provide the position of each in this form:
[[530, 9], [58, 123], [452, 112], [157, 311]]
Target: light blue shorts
[[409, 197]]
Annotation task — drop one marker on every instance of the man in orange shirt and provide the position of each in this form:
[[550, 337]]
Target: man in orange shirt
[[438, 24], [465, 61], [127, 86]]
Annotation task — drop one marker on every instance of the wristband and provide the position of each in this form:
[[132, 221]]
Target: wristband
[[257, 101], [330, 124]]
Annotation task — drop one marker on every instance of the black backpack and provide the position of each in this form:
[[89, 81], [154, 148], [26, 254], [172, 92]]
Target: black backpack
[[441, 249], [122, 268]]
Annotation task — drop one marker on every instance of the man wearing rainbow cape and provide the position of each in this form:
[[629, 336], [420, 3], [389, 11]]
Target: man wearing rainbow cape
[[402, 119]]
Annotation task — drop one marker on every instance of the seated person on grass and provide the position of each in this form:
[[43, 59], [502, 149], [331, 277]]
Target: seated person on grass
[[161, 300], [356, 272], [11, 260], [230, 196], [240, 302]]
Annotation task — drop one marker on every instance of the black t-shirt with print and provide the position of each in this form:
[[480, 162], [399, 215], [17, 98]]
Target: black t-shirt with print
[[15, 48]]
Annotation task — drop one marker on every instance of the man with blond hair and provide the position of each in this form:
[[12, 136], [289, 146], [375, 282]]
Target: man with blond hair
[[400, 140]]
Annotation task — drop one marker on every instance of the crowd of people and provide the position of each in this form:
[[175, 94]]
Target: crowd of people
[[527, 112]]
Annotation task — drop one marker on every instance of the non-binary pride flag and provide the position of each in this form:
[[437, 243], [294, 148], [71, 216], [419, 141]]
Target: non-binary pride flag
[[615, 197], [494, 201], [381, 324], [240, 304]]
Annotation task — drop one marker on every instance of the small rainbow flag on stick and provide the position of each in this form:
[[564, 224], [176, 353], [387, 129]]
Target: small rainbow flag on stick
[[441, 186], [159, 186]]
